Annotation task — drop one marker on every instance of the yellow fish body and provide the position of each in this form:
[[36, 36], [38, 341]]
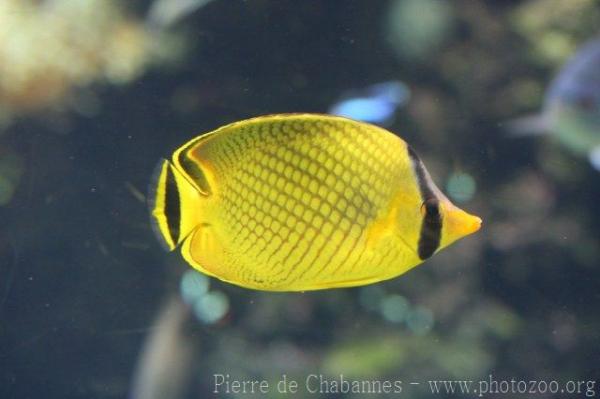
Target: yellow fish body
[[302, 202]]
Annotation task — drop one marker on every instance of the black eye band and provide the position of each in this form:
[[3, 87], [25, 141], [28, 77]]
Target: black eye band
[[432, 207], [431, 226]]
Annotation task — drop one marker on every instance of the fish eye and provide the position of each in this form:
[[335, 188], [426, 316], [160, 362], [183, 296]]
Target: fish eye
[[431, 206]]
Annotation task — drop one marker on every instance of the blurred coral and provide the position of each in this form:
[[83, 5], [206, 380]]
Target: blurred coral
[[49, 48]]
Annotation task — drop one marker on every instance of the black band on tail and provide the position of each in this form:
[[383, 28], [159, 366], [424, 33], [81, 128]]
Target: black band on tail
[[172, 205]]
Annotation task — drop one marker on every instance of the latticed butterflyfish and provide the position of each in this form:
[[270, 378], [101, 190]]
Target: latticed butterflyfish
[[302, 202]]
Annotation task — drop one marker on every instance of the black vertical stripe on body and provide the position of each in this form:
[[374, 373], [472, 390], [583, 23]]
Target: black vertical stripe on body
[[431, 227], [421, 173], [172, 205]]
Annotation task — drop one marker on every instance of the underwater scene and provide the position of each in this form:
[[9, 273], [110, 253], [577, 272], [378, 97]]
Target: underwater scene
[[299, 199]]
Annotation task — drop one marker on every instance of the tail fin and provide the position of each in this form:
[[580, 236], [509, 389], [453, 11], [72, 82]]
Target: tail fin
[[170, 196]]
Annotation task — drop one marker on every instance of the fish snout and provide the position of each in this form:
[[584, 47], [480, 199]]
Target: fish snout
[[461, 223]]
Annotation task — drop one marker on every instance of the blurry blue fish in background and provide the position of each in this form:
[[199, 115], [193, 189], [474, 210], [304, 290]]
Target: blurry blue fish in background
[[571, 111], [374, 104]]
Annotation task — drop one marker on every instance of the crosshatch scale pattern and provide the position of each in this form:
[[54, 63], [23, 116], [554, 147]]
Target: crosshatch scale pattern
[[298, 198]]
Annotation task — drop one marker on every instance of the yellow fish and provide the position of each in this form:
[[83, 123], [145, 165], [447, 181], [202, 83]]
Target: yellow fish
[[300, 202]]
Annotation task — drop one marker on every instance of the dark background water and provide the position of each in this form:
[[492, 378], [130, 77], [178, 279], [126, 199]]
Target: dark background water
[[82, 276]]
